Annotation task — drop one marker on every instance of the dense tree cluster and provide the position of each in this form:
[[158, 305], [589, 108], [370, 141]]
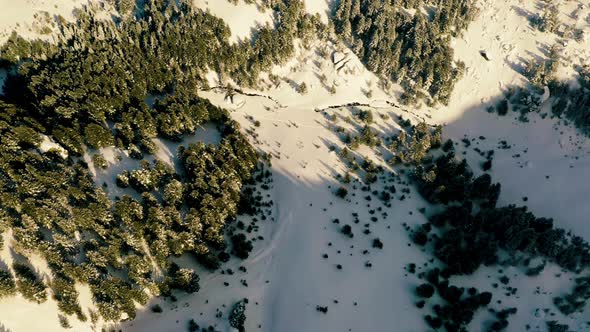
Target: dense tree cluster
[[573, 104], [575, 301], [413, 143], [398, 41], [459, 306], [48, 201], [474, 232], [468, 231], [237, 316], [491, 229], [29, 285], [100, 72], [66, 295], [91, 90], [7, 284], [183, 278], [449, 180]]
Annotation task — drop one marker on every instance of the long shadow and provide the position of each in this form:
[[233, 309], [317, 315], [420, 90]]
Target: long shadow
[[545, 163], [3, 74]]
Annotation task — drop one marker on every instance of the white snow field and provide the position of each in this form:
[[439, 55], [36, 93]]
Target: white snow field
[[24, 16], [287, 276]]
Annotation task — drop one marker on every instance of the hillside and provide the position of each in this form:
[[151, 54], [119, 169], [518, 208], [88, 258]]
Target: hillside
[[316, 157]]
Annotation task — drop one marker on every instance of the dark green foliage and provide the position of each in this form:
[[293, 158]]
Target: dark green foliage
[[411, 49], [193, 326], [237, 316], [433, 322], [425, 290], [347, 230], [341, 192], [485, 298], [573, 103], [97, 136], [377, 243], [448, 146], [471, 231], [27, 137], [412, 144], [184, 279], [125, 7], [576, 300], [468, 238], [114, 296], [99, 161], [123, 179], [509, 228], [502, 107], [29, 285], [7, 284], [554, 326], [541, 73], [420, 235], [548, 21], [453, 181], [173, 193], [101, 71], [209, 261], [64, 321], [241, 246], [89, 90], [214, 176], [66, 295]]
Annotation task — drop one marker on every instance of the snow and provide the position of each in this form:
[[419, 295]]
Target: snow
[[119, 161], [287, 276], [44, 314], [321, 7], [20, 16], [300, 280], [546, 94], [290, 256], [48, 144], [534, 294], [554, 150]]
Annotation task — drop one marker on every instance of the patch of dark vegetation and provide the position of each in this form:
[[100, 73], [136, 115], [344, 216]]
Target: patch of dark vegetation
[[89, 89], [569, 103], [237, 316], [475, 232], [321, 309], [412, 49], [468, 231]]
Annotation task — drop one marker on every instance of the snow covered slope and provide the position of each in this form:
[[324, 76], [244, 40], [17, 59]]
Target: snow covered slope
[[287, 277], [27, 17]]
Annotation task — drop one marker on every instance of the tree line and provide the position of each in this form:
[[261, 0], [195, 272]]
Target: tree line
[[90, 90]]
